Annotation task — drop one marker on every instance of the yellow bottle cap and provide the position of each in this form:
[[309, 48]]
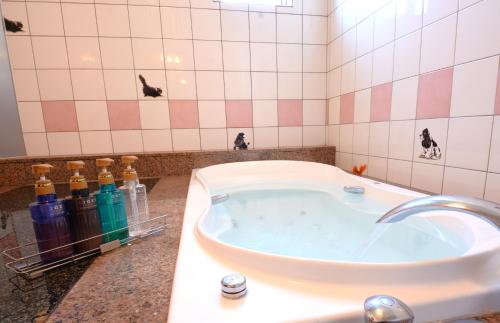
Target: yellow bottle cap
[[129, 174], [43, 186], [77, 181], [105, 176]]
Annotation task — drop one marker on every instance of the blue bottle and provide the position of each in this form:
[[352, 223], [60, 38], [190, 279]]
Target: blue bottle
[[50, 220], [110, 204]]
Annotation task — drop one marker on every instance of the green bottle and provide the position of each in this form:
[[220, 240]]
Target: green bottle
[[110, 204]]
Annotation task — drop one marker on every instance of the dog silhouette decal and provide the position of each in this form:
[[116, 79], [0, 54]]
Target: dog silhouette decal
[[430, 148], [149, 90], [239, 142], [13, 26]]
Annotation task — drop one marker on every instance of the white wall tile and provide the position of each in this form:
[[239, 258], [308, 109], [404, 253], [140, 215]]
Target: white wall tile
[[157, 140], [362, 102], [235, 25], [290, 136], [208, 55], [407, 56], [360, 138], [204, 4], [314, 29], [148, 53], [289, 86], [45, 19], [404, 99], [186, 139], [346, 138], [264, 85], [50, 52], [314, 85], [92, 115], [79, 19], [385, 25], [334, 82], [265, 113], [289, 28], [315, 7], [333, 137], [127, 141], [112, 20], [64, 143], [334, 111], [336, 54], [20, 52], [96, 142], [154, 114], [263, 57], [314, 136], [206, 25], [399, 172], [210, 85], [349, 8], [494, 164], [55, 85], [178, 54], [463, 182], [379, 139], [238, 85], [468, 142], [377, 168], [492, 190], [213, 139], [474, 88], [314, 58], [344, 161], [83, 52], [120, 84], [438, 130], [26, 85], [401, 139], [364, 38], [88, 85], [262, 27], [289, 58], [438, 9], [236, 56], [349, 46], [116, 53], [408, 16], [212, 114], [31, 116], [36, 144], [478, 28], [383, 59], [348, 77], [181, 85], [364, 66], [176, 22], [314, 112], [265, 137], [427, 177], [438, 44]]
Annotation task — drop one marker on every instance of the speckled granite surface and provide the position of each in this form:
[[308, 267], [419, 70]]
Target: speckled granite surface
[[17, 171]]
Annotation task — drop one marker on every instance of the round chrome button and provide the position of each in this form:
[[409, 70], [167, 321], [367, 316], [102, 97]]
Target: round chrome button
[[233, 286]]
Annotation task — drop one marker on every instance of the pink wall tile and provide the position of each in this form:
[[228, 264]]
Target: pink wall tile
[[124, 115], [290, 112], [347, 108], [239, 114], [434, 94], [59, 116], [497, 101], [183, 114], [381, 102]]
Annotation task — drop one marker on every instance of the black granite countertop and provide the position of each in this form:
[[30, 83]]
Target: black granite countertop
[[23, 300]]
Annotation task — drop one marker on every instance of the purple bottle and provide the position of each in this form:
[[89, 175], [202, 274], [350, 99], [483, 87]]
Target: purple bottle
[[50, 219]]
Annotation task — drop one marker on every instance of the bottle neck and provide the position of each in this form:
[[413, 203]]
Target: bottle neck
[[46, 198], [84, 192]]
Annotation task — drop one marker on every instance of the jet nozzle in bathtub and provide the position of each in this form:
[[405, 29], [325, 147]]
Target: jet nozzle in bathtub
[[354, 189], [233, 286], [220, 198], [383, 308]]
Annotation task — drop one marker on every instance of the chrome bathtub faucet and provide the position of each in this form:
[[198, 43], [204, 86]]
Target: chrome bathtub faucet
[[385, 308]]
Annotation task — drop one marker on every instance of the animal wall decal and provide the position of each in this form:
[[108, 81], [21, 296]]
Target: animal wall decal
[[430, 148], [149, 90], [13, 26], [239, 142]]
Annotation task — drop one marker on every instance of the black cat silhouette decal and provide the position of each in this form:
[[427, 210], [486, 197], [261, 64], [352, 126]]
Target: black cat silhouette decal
[[239, 142], [13, 26], [149, 90], [430, 148]]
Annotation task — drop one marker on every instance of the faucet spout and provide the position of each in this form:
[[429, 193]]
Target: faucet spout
[[487, 211]]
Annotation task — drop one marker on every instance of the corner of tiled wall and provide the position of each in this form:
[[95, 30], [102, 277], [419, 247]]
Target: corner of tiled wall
[[398, 67], [221, 69]]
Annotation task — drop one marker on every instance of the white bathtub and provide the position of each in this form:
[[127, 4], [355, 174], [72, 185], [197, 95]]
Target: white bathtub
[[290, 286]]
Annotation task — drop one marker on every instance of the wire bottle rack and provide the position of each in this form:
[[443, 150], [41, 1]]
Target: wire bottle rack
[[25, 260]]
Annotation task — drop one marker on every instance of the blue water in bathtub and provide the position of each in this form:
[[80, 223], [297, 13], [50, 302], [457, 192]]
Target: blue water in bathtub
[[329, 225]]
